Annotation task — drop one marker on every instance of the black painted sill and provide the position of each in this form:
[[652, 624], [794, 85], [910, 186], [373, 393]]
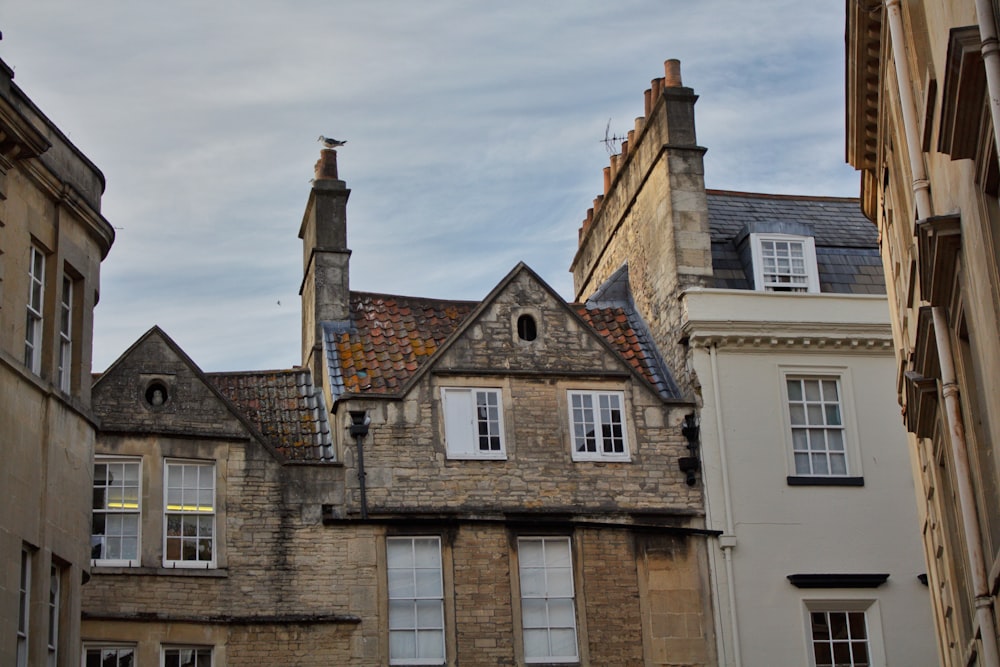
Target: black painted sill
[[794, 480]]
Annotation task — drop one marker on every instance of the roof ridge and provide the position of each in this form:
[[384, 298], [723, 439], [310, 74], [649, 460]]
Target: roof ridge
[[416, 298], [765, 195]]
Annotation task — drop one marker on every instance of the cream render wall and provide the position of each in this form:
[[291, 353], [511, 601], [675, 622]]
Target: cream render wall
[[780, 529]]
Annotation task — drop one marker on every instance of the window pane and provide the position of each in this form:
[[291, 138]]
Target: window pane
[[819, 464], [812, 390], [428, 583], [802, 464], [536, 643], [402, 614], [534, 613], [532, 582], [838, 464], [401, 584], [430, 644], [560, 582], [402, 644], [529, 553], [563, 642], [561, 613], [429, 615]]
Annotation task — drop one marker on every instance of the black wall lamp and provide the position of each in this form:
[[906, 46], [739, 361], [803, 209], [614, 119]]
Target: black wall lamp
[[690, 464]]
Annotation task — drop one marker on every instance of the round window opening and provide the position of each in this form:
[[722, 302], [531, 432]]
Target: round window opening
[[156, 394], [526, 328]]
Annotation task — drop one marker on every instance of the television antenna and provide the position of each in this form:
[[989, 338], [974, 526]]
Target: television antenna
[[612, 142]]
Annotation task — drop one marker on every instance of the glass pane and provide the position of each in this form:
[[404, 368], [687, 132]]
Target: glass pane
[[426, 551], [402, 614], [842, 653], [430, 615], [797, 414], [430, 643], [835, 440], [402, 644], [802, 464], [814, 415], [859, 652], [401, 584], [562, 614], [794, 390], [532, 582], [858, 626], [823, 656], [399, 554], [819, 626], [800, 441], [838, 464], [129, 548], [428, 583], [830, 392], [833, 415], [812, 390], [838, 625], [533, 613], [563, 642], [529, 553], [557, 553], [173, 525], [206, 524], [536, 643], [819, 464], [560, 582]]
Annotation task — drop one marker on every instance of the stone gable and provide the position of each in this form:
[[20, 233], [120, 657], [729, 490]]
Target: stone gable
[[125, 397]]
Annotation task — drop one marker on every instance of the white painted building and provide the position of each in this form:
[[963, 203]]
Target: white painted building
[[804, 457]]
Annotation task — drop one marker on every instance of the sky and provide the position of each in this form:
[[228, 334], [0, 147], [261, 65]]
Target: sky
[[475, 137]]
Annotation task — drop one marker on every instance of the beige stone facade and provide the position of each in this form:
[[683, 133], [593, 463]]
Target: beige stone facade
[[922, 117], [52, 241], [466, 483]]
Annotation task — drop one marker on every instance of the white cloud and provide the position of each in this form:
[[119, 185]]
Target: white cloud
[[473, 137]]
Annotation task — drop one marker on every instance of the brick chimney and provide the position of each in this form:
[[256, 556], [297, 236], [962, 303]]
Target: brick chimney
[[325, 289]]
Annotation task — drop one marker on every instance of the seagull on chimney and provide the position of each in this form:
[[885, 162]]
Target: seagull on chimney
[[330, 143]]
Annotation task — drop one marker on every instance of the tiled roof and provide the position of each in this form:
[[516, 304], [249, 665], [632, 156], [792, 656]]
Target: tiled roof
[[616, 327], [389, 337], [285, 407], [847, 254]]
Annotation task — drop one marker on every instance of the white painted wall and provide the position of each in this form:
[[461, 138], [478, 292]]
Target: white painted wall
[[781, 529]]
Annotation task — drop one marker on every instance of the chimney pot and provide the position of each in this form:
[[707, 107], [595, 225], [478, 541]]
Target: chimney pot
[[672, 72], [640, 123], [607, 180], [657, 86], [326, 166], [648, 102], [625, 148], [597, 202]]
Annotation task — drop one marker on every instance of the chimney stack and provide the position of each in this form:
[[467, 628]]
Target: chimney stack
[[325, 288]]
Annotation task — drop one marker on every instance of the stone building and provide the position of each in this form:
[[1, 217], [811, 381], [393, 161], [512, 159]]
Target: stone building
[[52, 240], [922, 117], [770, 312], [441, 482]]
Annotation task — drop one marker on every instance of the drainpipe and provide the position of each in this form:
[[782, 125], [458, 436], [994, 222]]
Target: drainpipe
[[359, 429], [985, 615], [990, 49], [921, 186], [727, 541]]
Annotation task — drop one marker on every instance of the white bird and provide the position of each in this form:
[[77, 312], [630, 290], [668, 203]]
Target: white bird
[[330, 143]]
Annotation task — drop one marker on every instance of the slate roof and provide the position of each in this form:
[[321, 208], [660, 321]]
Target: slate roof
[[389, 337], [846, 242], [285, 407]]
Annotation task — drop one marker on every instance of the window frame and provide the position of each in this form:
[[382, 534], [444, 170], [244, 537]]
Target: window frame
[[35, 312], [137, 512], [89, 647], [848, 414], [55, 612], [165, 649], [212, 514], [438, 597], [811, 284], [547, 596], [599, 454], [64, 375], [872, 614], [23, 646], [463, 439]]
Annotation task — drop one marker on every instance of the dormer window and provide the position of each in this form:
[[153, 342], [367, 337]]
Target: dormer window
[[784, 263]]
